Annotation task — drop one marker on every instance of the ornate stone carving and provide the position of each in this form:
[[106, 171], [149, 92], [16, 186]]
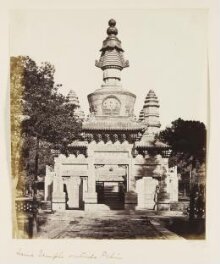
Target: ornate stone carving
[[123, 137], [107, 138], [98, 138], [127, 109], [91, 137], [111, 106], [115, 138]]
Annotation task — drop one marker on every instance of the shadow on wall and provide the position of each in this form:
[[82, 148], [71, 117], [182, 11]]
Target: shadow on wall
[[49, 192]]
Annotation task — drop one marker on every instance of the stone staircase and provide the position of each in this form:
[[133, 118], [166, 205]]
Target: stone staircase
[[114, 200]]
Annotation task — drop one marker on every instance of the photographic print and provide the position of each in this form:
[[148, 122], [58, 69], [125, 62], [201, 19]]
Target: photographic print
[[109, 122]]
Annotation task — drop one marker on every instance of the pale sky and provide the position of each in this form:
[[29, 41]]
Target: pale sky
[[167, 51]]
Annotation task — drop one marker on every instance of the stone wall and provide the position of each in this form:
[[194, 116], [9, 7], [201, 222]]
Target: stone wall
[[109, 162]]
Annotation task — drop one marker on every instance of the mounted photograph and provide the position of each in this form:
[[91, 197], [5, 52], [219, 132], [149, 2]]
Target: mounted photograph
[[109, 122]]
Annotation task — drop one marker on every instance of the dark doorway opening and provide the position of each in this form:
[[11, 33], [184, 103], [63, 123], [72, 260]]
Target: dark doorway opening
[[111, 193]]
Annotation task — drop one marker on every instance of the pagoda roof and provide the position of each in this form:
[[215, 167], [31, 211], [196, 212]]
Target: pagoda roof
[[111, 59], [111, 51], [151, 100], [72, 98]]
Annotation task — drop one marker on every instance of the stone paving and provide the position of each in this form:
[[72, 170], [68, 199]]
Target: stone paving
[[102, 225]]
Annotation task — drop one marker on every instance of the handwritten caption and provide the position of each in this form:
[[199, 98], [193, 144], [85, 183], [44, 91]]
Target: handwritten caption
[[63, 255]]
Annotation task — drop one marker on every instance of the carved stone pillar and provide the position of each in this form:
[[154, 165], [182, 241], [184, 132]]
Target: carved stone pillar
[[146, 188], [90, 197], [58, 196], [48, 184], [73, 192], [163, 195], [130, 195], [161, 172]]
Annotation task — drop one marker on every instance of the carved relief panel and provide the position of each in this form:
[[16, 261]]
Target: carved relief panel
[[111, 106]]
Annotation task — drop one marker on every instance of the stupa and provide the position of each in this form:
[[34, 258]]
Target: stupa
[[118, 163]]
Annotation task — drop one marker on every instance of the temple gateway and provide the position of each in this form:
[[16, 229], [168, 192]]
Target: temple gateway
[[118, 164]]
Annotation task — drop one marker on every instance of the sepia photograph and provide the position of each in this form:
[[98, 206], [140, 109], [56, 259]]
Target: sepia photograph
[[109, 122]]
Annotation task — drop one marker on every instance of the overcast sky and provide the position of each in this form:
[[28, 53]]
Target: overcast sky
[[167, 51]]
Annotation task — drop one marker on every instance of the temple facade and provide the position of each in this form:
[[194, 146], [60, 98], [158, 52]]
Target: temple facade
[[118, 163]]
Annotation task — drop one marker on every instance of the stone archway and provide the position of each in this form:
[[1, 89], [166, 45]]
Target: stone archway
[[111, 185], [112, 194]]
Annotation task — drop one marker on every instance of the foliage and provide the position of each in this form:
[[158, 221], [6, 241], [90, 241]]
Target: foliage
[[50, 118], [40, 117], [187, 139], [16, 115], [188, 142]]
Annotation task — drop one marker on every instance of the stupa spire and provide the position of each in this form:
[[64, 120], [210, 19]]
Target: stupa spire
[[112, 60], [141, 115], [73, 99], [151, 112]]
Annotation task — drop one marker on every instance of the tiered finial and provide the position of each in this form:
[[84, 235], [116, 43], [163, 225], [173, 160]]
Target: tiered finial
[[141, 115], [151, 111], [151, 99], [72, 98], [112, 60], [112, 30]]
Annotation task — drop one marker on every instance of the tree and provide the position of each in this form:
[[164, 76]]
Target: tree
[[187, 139], [188, 142], [16, 116], [50, 119]]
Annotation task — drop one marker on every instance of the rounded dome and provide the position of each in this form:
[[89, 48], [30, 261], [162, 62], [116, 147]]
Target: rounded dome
[[111, 101]]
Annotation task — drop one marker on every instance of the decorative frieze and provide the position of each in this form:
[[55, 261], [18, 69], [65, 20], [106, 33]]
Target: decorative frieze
[[151, 151], [76, 151], [112, 137]]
